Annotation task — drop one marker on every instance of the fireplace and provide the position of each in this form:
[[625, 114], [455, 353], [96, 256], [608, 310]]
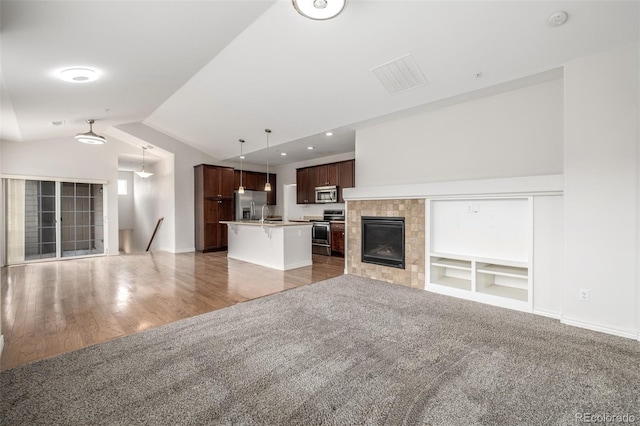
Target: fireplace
[[383, 241]]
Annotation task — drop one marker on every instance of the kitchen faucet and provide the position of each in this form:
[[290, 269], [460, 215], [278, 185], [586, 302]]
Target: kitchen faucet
[[262, 212]]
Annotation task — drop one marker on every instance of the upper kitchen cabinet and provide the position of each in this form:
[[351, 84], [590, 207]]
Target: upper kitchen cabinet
[[254, 181], [262, 180], [341, 174], [305, 190], [346, 176], [216, 181], [249, 180]]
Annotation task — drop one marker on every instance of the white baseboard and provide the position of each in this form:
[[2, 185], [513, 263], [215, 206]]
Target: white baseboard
[[185, 250], [547, 314], [621, 333]]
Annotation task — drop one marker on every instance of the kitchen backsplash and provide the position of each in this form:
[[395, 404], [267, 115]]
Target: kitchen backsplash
[[299, 211]]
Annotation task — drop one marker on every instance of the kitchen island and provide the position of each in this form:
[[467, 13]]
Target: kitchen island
[[274, 244]]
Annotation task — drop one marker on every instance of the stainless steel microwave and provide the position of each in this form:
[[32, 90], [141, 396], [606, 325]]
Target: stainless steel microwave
[[327, 194]]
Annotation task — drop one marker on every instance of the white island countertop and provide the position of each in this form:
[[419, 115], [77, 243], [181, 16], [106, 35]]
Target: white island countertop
[[265, 223], [274, 244]]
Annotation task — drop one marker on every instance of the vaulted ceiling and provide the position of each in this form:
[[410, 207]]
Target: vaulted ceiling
[[211, 72]]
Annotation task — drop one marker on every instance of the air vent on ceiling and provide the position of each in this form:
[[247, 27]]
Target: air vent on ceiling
[[400, 75]]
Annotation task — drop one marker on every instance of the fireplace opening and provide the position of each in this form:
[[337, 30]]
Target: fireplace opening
[[383, 241]]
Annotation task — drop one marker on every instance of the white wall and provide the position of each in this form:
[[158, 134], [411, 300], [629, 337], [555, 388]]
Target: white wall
[[518, 133], [67, 158], [601, 189], [589, 133], [185, 157], [287, 176], [548, 250], [1, 244], [125, 202], [154, 198]]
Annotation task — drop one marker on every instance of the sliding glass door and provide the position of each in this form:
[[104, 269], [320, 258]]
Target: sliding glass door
[[49, 219], [40, 220], [81, 220]]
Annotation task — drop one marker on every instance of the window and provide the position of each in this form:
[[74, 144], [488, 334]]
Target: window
[[122, 187]]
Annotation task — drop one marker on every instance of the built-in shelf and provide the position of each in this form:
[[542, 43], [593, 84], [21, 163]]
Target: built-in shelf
[[454, 273], [505, 271], [479, 280], [452, 263], [483, 254]]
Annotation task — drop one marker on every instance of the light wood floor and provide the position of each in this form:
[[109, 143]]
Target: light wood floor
[[54, 307]]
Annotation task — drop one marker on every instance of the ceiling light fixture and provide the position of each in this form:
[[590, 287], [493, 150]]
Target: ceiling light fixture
[[144, 174], [267, 186], [241, 188], [90, 137], [79, 75], [283, 153], [329, 134], [319, 10], [557, 19], [311, 147]]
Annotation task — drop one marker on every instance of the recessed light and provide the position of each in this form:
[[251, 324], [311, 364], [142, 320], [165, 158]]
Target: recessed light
[[329, 133], [57, 123], [283, 153], [311, 147], [242, 157], [78, 75]]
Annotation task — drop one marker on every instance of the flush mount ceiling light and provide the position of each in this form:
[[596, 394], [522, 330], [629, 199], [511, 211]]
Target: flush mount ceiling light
[[319, 9], [78, 75], [144, 174], [267, 186], [90, 137], [557, 19]]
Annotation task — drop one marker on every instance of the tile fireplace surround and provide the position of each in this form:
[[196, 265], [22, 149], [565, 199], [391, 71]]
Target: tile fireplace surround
[[413, 210]]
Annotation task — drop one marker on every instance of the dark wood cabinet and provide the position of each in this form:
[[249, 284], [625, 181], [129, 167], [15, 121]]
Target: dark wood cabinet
[[341, 174], [347, 177], [217, 182], [213, 203], [337, 238], [305, 190], [254, 181], [319, 176], [333, 173]]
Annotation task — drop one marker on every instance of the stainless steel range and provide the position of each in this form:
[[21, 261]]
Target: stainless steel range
[[321, 232]]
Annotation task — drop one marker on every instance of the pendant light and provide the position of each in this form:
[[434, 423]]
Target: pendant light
[[319, 10], [267, 186], [241, 188], [144, 174], [90, 137]]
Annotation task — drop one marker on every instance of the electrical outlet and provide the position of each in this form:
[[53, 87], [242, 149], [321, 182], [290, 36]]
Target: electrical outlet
[[583, 295]]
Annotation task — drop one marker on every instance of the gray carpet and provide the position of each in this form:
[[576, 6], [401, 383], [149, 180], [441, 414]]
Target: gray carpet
[[345, 351]]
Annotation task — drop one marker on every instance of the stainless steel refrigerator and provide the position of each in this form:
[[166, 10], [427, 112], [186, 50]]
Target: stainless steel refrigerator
[[248, 206]]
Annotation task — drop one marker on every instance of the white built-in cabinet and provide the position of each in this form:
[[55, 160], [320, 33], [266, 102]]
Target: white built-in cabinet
[[481, 249]]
